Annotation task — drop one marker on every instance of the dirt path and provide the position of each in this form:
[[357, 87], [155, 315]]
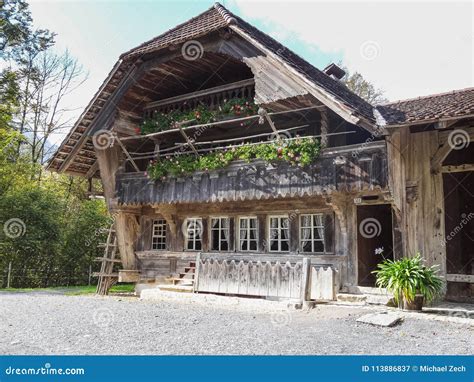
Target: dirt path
[[51, 323]]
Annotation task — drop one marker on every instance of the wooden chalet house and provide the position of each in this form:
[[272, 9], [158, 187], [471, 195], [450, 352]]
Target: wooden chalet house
[[230, 162]]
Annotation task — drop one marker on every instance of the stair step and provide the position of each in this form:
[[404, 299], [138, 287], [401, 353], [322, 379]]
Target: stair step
[[99, 274], [179, 279], [350, 297], [108, 259], [188, 269], [176, 288]]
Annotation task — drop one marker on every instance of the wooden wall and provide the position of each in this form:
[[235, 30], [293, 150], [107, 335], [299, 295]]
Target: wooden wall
[[417, 190]]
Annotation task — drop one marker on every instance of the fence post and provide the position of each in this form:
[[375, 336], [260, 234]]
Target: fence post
[[90, 275], [196, 273], [305, 295], [9, 274]]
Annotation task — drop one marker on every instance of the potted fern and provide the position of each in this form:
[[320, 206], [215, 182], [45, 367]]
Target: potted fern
[[411, 282]]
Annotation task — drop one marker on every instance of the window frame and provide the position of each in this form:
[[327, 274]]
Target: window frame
[[211, 229], [280, 240], [164, 224], [311, 227], [237, 237], [186, 235]]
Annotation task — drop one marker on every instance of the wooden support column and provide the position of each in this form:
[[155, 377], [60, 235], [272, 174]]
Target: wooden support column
[[397, 152], [127, 231], [168, 212], [109, 162], [305, 281], [324, 128], [345, 236]]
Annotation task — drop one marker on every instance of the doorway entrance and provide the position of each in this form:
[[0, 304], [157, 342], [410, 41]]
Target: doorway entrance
[[374, 234], [458, 187]]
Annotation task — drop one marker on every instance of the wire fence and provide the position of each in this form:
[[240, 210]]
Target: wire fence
[[20, 277]]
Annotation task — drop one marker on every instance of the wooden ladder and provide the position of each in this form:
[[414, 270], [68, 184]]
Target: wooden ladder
[[107, 277]]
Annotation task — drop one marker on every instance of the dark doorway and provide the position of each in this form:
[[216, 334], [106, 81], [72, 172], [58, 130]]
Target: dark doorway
[[374, 232], [459, 232], [458, 187]]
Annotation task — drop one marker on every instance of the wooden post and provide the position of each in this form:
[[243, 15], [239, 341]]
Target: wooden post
[[324, 128], [9, 274], [124, 149], [188, 141], [196, 273], [90, 275], [127, 230], [109, 161], [305, 295]]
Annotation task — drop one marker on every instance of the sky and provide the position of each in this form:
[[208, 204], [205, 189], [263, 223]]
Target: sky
[[406, 48]]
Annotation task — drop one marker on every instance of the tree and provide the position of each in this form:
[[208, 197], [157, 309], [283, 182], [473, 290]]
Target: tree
[[46, 82], [16, 31], [363, 88], [49, 229]]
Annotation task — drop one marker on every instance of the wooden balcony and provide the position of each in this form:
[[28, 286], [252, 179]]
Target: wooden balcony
[[354, 169], [211, 97]]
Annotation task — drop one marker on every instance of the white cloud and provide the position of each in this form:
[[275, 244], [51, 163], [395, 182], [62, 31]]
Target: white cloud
[[413, 48]]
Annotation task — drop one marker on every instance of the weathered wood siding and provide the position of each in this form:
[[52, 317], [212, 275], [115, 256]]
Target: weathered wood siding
[[343, 170], [250, 278]]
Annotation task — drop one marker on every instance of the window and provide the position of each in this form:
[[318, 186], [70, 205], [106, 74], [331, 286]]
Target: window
[[248, 234], [220, 234], [279, 234], [193, 234], [312, 233], [158, 236]]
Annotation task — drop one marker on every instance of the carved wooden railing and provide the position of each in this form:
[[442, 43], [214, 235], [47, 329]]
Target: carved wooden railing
[[212, 97]]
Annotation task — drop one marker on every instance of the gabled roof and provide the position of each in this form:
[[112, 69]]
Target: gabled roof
[[218, 17], [435, 107], [76, 153], [215, 18]]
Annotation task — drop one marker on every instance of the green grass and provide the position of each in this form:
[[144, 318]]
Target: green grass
[[76, 290]]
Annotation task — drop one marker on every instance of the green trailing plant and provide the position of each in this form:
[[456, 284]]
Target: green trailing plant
[[297, 152], [235, 107], [408, 277]]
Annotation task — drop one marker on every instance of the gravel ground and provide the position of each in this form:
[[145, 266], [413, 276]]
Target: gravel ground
[[53, 324]]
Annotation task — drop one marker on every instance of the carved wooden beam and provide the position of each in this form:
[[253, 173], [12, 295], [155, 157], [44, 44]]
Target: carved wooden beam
[[167, 212], [124, 149], [460, 168]]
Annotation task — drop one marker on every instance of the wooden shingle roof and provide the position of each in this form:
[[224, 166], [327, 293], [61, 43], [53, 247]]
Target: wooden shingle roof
[[67, 158], [218, 17], [435, 107], [76, 153]]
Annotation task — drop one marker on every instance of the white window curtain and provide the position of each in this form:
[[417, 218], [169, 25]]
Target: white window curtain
[[285, 227], [318, 220], [305, 230], [225, 228], [243, 229]]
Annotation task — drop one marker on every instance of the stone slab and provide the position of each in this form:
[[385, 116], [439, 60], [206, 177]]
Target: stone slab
[[386, 319]]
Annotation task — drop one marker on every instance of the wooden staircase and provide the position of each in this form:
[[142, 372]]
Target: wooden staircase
[[107, 276], [184, 276]]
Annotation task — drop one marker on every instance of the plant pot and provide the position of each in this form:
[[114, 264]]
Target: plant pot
[[416, 304]]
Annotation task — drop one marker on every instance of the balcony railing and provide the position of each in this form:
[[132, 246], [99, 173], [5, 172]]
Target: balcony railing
[[212, 97], [353, 168]]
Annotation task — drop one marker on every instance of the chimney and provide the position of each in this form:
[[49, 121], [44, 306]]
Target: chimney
[[334, 71]]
